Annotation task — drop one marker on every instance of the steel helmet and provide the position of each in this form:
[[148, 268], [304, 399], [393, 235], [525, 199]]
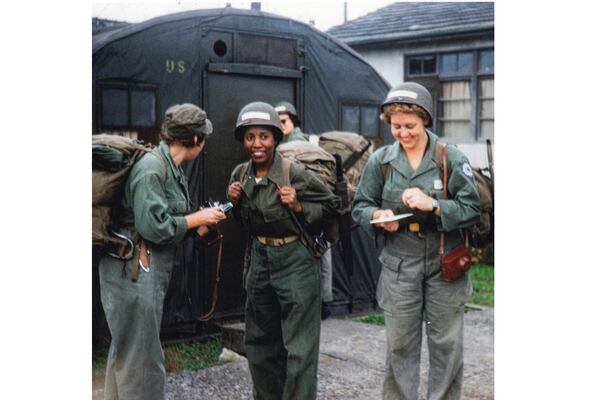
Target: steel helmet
[[258, 114], [285, 107], [410, 93]]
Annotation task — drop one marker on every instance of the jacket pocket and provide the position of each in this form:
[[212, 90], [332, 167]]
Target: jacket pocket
[[178, 206], [274, 214]]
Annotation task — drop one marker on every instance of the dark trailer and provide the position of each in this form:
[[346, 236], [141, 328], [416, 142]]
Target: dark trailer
[[222, 59]]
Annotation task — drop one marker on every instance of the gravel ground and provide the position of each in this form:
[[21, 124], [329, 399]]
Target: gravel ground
[[351, 365]]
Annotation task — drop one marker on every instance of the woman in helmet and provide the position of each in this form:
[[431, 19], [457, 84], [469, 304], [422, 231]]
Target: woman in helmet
[[404, 178], [282, 282], [155, 210]]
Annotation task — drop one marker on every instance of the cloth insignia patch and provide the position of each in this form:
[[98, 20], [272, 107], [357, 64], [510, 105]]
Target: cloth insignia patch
[[437, 184], [466, 169]]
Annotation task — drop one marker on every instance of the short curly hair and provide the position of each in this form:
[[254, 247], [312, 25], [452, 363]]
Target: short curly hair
[[185, 141], [393, 108]]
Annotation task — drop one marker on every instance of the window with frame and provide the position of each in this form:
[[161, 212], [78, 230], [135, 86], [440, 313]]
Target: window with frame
[[422, 65], [464, 83], [360, 118], [127, 106]]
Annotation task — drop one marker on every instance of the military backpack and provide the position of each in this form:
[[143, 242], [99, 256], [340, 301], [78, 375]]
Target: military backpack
[[113, 157]]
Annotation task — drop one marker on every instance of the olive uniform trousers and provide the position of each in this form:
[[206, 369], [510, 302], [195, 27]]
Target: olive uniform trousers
[[411, 291], [135, 365], [283, 321]]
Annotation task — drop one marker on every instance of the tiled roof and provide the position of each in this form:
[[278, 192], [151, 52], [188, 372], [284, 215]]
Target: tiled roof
[[402, 20]]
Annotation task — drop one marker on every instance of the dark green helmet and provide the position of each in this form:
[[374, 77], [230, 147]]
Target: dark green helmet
[[285, 107], [410, 93], [258, 114]]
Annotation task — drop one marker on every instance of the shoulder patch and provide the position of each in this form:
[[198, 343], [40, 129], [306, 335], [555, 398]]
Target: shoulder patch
[[466, 169]]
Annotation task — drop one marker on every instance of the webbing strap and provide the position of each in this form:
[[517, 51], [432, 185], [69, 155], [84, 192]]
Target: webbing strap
[[215, 295]]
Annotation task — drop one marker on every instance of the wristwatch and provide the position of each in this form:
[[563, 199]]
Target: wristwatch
[[436, 205]]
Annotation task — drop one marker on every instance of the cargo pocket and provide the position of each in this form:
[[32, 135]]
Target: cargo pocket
[[388, 280], [391, 264]]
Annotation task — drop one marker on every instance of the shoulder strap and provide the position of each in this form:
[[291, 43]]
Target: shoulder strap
[[162, 161], [245, 168], [385, 168], [286, 164]]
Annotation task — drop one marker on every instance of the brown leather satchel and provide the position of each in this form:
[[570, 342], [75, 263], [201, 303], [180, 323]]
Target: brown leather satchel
[[458, 261]]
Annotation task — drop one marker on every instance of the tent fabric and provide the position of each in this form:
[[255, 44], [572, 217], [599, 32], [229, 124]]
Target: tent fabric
[[328, 73]]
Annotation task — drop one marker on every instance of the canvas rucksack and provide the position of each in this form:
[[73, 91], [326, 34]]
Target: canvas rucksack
[[482, 233], [113, 157], [354, 151]]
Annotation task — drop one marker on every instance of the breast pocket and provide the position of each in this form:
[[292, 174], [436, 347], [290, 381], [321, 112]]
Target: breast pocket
[[391, 198], [275, 214], [178, 207]]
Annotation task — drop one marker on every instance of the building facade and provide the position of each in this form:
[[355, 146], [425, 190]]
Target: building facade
[[446, 46]]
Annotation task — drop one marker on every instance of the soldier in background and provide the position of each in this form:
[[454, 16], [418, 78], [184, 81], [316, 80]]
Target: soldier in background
[[290, 123], [290, 126]]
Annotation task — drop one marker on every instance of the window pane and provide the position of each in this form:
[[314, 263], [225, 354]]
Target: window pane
[[414, 66], [350, 118], [448, 64], [455, 129], [429, 65], [486, 110], [487, 130], [143, 108], [455, 109], [486, 61], [369, 123], [465, 63], [114, 107]]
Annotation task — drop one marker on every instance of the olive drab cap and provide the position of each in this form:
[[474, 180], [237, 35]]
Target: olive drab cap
[[258, 114], [285, 107], [410, 93], [186, 120]]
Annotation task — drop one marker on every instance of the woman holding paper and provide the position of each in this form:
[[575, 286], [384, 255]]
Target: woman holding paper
[[404, 178]]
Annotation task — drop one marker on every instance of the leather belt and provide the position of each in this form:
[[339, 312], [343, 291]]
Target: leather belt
[[269, 241], [416, 227]]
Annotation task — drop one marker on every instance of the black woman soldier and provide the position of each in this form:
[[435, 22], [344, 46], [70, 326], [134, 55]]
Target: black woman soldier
[[282, 283]]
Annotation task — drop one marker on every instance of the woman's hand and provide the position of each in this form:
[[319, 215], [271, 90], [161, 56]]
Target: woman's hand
[[287, 194], [391, 226], [205, 216], [417, 200], [234, 192]]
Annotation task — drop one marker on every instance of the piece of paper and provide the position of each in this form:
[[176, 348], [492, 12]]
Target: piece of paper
[[389, 219]]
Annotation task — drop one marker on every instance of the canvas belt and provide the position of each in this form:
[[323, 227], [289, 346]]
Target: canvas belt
[[269, 241]]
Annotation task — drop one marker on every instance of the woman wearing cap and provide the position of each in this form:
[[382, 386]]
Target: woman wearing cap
[[282, 282], [404, 178], [156, 214]]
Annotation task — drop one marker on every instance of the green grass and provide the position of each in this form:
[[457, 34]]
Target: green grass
[[482, 278], [374, 318], [192, 356], [179, 356]]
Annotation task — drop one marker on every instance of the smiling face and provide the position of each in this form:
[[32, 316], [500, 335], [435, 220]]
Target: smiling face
[[408, 129], [259, 143]]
